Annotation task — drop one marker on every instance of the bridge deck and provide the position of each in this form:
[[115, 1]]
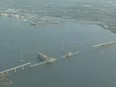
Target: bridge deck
[[41, 63], [105, 44], [14, 68]]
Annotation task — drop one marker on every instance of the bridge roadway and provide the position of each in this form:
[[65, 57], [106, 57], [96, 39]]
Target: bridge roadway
[[14, 68], [105, 44], [38, 64], [22, 66]]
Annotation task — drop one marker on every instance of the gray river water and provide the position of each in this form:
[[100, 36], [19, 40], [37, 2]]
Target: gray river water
[[93, 67]]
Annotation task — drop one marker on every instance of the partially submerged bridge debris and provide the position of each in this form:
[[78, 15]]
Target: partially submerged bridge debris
[[70, 54], [105, 44], [45, 59]]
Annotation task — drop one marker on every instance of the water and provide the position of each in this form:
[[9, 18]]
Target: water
[[92, 68]]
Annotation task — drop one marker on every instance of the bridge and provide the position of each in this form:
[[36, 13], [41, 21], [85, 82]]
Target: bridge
[[105, 44], [15, 68], [26, 64], [70, 54], [38, 64]]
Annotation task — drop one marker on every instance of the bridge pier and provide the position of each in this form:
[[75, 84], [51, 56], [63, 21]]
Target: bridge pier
[[15, 68], [23, 68]]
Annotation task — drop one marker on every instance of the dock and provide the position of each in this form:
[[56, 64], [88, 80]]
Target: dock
[[15, 68], [105, 44]]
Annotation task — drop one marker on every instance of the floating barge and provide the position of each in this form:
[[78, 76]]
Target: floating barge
[[43, 57], [33, 23]]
